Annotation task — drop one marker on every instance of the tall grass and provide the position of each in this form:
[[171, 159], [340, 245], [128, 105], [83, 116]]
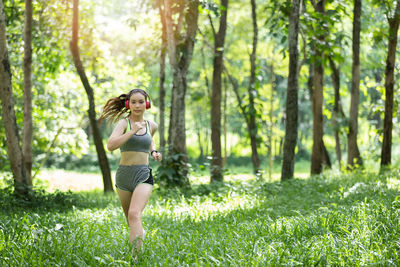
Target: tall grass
[[335, 219]]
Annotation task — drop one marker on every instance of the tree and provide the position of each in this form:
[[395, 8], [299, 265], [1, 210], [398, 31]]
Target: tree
[[219, 42], [386, 155], [28, 124], [248, 110], [101, 154], [180, 44], [354, 156], [292, 95], [161, 127], [252, 92], [319, 152], [271, 121], [10, 121], [338, 113]]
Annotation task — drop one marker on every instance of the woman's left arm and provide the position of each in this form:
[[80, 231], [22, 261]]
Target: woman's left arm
[[153, 151]]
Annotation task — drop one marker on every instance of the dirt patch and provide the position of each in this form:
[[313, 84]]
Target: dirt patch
[[66, 180]]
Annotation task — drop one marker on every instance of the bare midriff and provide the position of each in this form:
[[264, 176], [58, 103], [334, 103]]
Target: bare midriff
[[134, 158]]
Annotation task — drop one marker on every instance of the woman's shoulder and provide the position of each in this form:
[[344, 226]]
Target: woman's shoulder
[[122, 123], [153, 125]]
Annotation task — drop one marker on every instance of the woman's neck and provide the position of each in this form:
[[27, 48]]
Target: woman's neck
[[136, 118]]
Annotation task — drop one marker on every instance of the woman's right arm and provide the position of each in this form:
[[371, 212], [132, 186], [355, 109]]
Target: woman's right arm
[[118, 137]]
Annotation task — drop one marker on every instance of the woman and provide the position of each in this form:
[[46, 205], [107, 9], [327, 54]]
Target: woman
[[133, 136]]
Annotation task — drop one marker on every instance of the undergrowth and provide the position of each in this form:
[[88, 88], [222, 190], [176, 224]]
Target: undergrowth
[[334, 219]]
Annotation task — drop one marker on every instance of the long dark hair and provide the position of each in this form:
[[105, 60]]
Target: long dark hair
[[115, 107]]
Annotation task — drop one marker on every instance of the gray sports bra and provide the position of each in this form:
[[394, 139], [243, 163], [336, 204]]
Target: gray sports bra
[[138, 143]]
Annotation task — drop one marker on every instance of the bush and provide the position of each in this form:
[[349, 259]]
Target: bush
[[173, 171]]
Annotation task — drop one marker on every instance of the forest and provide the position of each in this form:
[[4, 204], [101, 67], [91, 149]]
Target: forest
[[277, 119]]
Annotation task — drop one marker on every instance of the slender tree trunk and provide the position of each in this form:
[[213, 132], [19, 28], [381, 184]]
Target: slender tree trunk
[[310, 80], [203, 63], [216, 96], [353, 152], [252, 93], [250, 116], [48, 151], [225, 124], [292, 110], [386, 153], [337, 109], [325, 155], [180, 55], [97, 138], [271, 121], [161, 127], [318, 155], [206, 142], [28, 124], [10, 121], [198, 131]]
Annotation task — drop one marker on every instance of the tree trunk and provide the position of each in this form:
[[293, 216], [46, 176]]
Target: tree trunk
[[225, 124], [354, 156], [292, 95], [216, 96], [252, 93], [386, 153], [8, 113], [97, 138], [271, 121], [310, 80], [161, 127], [198, 131], [317, 101], [337, 109], [28, 124], [180, 54]]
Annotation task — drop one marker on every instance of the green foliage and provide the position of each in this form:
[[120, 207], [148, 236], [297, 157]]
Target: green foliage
[[87, 163], [120, 47], [38, 199], [333, 219], [172, 171]]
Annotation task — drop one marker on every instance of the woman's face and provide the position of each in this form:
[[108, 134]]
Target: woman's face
[[137, 103]]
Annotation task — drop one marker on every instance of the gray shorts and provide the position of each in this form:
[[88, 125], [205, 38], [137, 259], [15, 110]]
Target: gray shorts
[[129, 176]]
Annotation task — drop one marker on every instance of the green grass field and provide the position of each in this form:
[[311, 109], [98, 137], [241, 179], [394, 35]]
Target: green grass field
[[330, 220]]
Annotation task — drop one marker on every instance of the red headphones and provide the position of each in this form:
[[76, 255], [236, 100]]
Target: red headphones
[[148, 104]]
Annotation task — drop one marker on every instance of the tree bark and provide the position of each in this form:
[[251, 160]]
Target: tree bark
[[198, 131], [180, 51], [8, 113], [28, 124], [216, 96], [225, 158], [317, 101], [97, 138], [252, 93], [337, 109], [292, 95], [161, 127], [386, 152], [271, 121], [354, 156]]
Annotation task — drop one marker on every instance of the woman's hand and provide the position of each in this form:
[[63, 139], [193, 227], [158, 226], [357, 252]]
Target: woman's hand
[[156, 155], [137, 126]]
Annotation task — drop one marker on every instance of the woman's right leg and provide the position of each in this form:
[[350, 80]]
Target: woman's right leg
[[125, 199], [133, 205], [139, 200]]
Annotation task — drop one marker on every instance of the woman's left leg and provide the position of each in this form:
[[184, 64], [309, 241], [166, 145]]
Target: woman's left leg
[[138, 202]]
